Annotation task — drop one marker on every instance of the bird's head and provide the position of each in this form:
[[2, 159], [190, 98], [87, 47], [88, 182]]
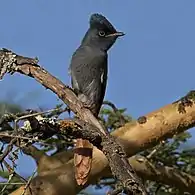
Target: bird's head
[[101, 33]]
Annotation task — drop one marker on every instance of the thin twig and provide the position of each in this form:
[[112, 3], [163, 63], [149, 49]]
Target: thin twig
[[11, 170], [29, 181], [115, 109], [149, 156], [17, 183], [35, 114], [25, 138]]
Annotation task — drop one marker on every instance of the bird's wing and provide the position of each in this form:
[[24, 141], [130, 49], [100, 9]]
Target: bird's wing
[[89, 76]]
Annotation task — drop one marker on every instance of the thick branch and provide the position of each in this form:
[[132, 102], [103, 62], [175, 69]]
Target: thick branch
[[157, 126]]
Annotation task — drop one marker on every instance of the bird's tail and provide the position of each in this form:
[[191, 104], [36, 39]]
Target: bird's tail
[[82, 160]]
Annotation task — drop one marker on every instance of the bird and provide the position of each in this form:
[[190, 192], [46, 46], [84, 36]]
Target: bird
[[88, 70]]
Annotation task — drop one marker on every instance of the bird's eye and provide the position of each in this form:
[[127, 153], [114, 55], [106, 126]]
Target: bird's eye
[[101, 33]]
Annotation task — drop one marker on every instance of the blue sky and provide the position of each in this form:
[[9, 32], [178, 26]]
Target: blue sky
[[151, 66]]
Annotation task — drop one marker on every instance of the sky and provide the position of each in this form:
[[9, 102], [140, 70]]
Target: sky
[[151, 66]]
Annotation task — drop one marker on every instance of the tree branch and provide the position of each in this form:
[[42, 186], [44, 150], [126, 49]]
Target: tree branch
[[161, 124], [10, 62], [136, 136]]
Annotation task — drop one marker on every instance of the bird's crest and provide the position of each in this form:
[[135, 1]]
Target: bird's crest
[[98, 20]]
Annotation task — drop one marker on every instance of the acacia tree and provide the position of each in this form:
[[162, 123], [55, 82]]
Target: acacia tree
[[162, 167]]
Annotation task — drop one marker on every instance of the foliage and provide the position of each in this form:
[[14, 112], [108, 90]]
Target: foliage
[[9, 108]]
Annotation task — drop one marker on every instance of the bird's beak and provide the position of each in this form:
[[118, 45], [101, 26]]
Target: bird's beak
[[117, 34]]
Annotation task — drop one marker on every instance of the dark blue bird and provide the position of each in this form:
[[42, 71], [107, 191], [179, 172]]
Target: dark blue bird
[[88, 70]]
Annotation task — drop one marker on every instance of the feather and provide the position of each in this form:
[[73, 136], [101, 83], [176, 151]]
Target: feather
[[89, 76]]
